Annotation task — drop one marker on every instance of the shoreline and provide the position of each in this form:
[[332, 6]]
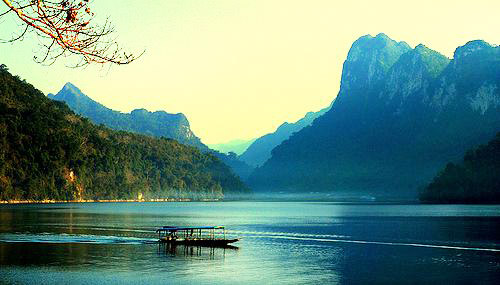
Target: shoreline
[[34, 202], [12, 202]]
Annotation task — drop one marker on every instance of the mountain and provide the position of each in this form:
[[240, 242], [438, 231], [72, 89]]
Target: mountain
[[260, 150], [400, 115], [159, 124], [141, 121], [236, 146], [47, 152], [239, 167], [475, 180]]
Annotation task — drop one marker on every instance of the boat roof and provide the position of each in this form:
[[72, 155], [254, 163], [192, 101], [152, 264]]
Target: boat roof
[[173, 229]]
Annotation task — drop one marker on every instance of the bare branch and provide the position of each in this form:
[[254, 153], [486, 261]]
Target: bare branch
[[69, 29]]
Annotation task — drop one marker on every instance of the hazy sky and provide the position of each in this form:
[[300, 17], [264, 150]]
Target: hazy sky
[[238, 69]]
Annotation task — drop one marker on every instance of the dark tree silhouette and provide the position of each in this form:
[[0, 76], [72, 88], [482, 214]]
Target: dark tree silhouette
[[475, 180]]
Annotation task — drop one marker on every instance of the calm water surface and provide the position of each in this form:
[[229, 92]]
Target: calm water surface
[[282, 242]]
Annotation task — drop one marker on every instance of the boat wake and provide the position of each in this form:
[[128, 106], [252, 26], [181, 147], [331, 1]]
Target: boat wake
[[72, 238], [347, 239]]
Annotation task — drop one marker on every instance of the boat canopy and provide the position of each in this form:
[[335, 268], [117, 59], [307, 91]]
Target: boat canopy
[[175, 229]]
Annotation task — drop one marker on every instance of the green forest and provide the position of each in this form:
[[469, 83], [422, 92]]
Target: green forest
[[47, 152], [475, 180]]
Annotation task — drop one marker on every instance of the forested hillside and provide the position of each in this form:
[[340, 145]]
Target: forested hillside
[[475, 180], [48, 152], [158, 124]]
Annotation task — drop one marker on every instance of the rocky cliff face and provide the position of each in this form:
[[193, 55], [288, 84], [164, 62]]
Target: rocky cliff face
[[400, 115], [368, 61]]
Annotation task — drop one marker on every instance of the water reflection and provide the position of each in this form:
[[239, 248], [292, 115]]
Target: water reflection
[[173, 250]]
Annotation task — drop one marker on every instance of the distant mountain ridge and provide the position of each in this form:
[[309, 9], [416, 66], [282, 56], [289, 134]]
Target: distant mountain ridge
[[236, 146], [159, 123], [260, 150], [400, 115]]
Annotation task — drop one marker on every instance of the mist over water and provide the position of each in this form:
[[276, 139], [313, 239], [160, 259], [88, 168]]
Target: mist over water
[[282, 242]]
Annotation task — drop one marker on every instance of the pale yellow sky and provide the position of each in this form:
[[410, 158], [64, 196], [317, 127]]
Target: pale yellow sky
[[238, 69]]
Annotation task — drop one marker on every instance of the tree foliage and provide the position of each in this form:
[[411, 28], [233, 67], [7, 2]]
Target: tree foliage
[[475, 180]]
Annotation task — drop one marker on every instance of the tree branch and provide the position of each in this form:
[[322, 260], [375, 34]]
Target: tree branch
[[69, 26]]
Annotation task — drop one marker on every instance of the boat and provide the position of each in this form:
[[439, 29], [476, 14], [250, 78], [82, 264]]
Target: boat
[[212, 236]]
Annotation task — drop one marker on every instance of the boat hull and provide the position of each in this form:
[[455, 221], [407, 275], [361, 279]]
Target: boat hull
[[200, 242]]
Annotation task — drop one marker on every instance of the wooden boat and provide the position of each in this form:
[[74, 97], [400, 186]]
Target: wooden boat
[[213, 236]]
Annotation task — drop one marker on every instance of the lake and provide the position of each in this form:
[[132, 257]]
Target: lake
[[282, 242]]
